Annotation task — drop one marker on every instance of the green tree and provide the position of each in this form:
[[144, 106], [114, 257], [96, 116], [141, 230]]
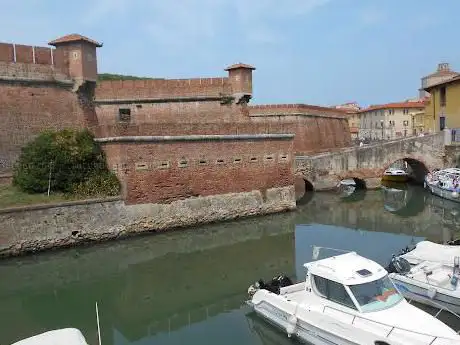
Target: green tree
[[69, 156]]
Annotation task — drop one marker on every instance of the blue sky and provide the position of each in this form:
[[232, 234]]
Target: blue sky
[[321, 52]]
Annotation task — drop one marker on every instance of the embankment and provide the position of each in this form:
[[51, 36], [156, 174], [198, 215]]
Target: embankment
[[35, 228]]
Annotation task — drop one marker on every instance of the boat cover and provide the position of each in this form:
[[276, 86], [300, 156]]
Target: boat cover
[[430, 251], [65, 336]]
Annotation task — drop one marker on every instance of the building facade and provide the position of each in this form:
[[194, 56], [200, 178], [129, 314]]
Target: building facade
[[389, 121], [442, 73], [443, 108], [352, 110]]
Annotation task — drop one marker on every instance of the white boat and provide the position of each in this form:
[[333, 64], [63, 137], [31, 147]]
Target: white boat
[[444, 183], [67, 336], [346, 187], [344, 300], [395, 175], [429, 274]]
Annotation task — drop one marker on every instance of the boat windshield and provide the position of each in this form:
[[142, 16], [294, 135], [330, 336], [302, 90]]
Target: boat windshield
[[376, 295]]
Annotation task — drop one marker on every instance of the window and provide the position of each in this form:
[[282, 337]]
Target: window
[[376, 295], [124, 114], [442, 97], [333, 291], [405, 123]]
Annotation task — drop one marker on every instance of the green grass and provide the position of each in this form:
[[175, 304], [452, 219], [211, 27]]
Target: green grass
[[11, 196]]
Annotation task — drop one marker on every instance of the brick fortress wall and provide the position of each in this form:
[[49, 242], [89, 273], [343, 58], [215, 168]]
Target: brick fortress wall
[[37, 93]]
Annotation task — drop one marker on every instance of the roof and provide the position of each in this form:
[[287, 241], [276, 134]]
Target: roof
[[344, 269], [239, 65], [73, 38], [454, 79], [398, 105]]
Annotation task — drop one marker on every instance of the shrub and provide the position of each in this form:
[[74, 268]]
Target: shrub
[[102, 184], [71, 157]]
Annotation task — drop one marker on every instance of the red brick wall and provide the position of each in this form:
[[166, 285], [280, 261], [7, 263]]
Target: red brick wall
[[312, 134], [28, 57], [162, 88], [27, 110], [276, 109], [210, 168], [173, 112]]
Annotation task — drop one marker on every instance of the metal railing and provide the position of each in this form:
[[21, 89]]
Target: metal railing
[[392, 328]]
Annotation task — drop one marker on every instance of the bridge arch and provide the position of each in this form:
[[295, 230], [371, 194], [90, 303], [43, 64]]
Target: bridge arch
[[417, 165], [303, 187]]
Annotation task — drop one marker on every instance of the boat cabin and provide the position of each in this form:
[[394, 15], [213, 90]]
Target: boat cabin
[[352, 281]]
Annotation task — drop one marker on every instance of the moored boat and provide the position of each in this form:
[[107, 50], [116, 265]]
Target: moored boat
[[67, 336], [444, 183], [429, 274], [346, 299], [395, 175]]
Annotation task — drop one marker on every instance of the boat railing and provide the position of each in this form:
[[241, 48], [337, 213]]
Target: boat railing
[[392, 328]]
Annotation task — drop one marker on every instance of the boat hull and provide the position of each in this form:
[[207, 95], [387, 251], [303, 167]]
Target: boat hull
[[420, 294], [304, 332], [443, 193], [395, 178]]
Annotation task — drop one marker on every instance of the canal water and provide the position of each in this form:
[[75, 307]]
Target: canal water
[[188, 287]]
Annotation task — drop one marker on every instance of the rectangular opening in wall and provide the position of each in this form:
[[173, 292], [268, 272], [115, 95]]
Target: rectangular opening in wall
[[142, 166], [269, 158], [163, 165], [220, 161], [237, 160], [253, 159], [183, 163], [202, 162], [283, 157], [139, 106], [124, 114]]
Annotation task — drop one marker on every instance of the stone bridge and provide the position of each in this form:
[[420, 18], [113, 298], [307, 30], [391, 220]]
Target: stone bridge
[[366, 164]]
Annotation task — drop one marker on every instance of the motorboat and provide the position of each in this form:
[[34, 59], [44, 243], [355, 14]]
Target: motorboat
[[395, 175], [444, 183], [346, 299], [346, 187], [67, 336], [429, 274]]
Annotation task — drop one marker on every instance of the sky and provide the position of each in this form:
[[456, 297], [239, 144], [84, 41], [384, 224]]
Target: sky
[[321, 52]]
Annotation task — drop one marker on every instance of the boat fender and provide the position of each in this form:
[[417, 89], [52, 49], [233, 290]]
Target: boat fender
[[454, 280], [431, 292], [291, 325]]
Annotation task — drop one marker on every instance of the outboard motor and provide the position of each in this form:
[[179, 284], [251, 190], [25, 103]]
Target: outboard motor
[[273, 286], [399, 265]]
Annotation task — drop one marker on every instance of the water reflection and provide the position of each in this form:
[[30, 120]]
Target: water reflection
[[187, 287]]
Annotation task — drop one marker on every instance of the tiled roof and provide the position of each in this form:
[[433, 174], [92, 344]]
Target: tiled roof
[[240, 65], [73, 38], [400, 105]]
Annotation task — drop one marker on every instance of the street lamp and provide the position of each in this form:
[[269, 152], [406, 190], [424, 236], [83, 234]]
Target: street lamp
[[381, 125]]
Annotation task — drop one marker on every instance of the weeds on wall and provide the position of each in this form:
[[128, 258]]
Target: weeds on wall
[[66, 161]]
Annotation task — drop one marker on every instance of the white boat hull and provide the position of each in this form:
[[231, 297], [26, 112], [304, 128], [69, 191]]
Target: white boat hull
[[336, 333], [443, 193], [421, 294]]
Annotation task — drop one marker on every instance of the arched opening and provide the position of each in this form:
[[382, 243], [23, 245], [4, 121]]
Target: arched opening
[[415, 169], [360, 183], [303, 190]]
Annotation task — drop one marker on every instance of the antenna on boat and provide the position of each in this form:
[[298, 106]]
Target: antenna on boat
[[98, 327]]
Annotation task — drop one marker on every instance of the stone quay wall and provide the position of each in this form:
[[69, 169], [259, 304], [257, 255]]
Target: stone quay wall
[[36, 228]]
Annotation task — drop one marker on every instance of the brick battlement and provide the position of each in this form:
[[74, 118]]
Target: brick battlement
[[24, 62], [162, 88], [294, 109]]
